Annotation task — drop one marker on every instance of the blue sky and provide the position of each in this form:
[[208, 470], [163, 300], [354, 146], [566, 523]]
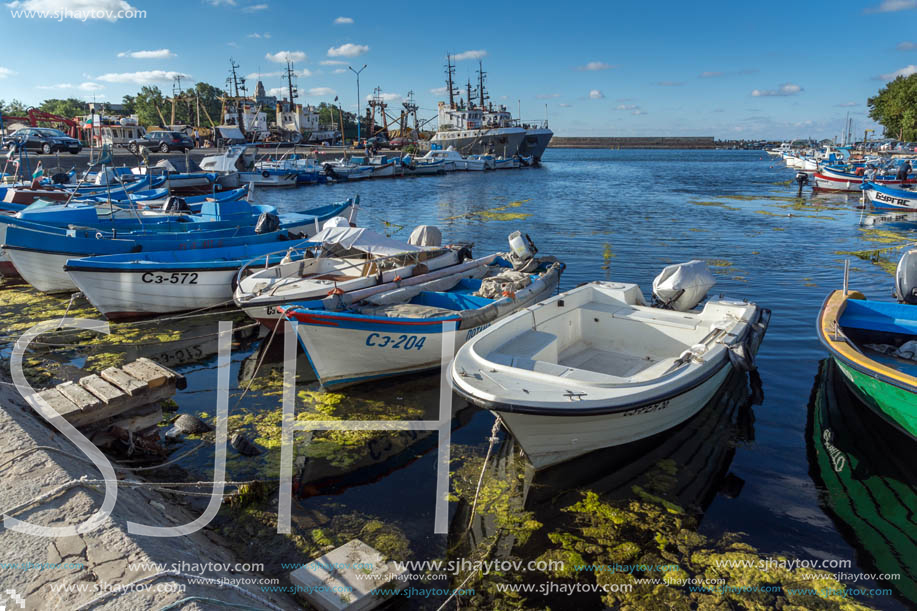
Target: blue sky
[[726, 69]]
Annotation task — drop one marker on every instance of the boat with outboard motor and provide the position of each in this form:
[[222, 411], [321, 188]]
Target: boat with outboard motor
[[889, 198], [595, 367], [405, 326]]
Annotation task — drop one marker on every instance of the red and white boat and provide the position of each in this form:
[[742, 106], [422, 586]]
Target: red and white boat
[[828, 179]]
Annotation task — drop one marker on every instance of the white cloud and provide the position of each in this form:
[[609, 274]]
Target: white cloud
[[710, 74], [906, 71], [892, 6], [906, 46], [333, 62], [282, 57], [594, 66], [89, 86], [58, 86], [639, 111], [277, 92], [847, 105], [438, 91], [144, 77], [155, 54], [221, 2], [254, 8], [348, 50], [547, 96], [5, 72], [387, 97], [76, 9], [626, 107], [254, 76], [339, 71], [670, 83], [343, 20], [259, 35], [474, 54], [784, 90], [232, 43], [565, 105], [595, 94], [320, 91]]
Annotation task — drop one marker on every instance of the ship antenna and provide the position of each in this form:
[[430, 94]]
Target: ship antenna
[[450, 71]]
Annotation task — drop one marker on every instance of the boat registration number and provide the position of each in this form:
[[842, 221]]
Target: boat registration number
[[404, 342], [173, 278], [646, 409]]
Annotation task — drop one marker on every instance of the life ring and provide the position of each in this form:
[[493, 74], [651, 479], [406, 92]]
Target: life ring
[[265, 174]]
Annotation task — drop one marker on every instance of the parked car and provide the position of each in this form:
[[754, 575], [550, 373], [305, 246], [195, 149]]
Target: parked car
[[43, 139], [162, 141], [399, 143]]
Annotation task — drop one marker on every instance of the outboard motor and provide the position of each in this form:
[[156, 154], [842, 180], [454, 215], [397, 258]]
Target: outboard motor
[[802, 179], [906, 278], [683, 285], [268, 222], [61, 178], [176, 204], [522, 252]]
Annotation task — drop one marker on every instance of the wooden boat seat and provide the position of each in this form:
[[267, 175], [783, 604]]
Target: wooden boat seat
[[665, 318]]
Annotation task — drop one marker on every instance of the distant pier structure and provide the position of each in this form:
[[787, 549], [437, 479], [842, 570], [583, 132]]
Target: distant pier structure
[[610, 142]]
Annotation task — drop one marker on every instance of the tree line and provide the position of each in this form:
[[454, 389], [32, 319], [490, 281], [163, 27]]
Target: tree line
[[153, 108]]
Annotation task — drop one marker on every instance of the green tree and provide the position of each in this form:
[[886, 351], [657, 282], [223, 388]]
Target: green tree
[[15, 108], [128, 103], [148, 103], [894, 107], [69, 108]]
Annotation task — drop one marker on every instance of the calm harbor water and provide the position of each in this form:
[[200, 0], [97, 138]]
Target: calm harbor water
[[620, 215]]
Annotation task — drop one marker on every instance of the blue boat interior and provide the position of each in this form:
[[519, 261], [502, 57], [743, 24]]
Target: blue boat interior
[[871, 323], [880, 316], [460, 298]]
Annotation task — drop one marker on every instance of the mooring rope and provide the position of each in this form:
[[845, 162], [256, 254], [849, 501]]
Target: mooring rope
[[493, 440]]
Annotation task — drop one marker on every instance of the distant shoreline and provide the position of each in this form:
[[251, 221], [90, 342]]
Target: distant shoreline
[[591, 142]]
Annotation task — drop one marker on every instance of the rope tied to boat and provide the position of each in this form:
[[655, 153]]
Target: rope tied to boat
[[498, 421]]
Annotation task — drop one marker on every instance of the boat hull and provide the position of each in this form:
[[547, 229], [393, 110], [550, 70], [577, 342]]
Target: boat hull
[[125, 295], [345, 350], [503, 141], [891, 199], [890, 393], [535, 142], [549, 440]]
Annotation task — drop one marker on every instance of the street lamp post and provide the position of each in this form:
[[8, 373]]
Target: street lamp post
[[359, 118]]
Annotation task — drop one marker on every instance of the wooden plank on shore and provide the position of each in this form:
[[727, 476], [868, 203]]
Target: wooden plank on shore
[[123, 380], [79, 396], [147, 371], [110, 395], [59, 403]]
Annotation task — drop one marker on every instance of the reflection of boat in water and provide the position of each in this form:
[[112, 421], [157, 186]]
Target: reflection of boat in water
[[897, 220], [686, 465], [869, 477]]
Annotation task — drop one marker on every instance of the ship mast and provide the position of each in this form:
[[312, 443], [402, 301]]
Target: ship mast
[[293, 91], [482, 93], [235, 85], [450, 71]]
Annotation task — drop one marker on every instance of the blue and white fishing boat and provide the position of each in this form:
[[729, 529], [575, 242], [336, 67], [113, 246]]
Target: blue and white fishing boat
[[138, 285], [39, 256], [400, 330], [890, 198]]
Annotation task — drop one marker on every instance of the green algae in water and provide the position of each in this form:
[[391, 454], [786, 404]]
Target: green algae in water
[[607, 256], [499, 213], [713, 204]]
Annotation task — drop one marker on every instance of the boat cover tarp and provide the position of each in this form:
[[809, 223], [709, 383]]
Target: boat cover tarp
[[342, 239], [180, 165]]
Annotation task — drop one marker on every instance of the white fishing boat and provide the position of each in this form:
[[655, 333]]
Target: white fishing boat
[[506, 163], [451, 156], [595, 367], [342, 169], [420, 166], [351, 259], [489, 161], [400, 330], [269, 178]]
